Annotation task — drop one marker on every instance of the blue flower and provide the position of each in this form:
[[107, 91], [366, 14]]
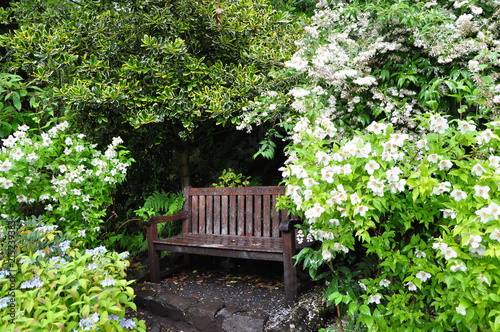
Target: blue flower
[[86, 324], [25, 260], [64, 245], [92, 266], [113, 317], [4, 273], [96, 251], [46, 229], [41, 253], [127, 323], [36, 282], [4, 302], [108, 282]]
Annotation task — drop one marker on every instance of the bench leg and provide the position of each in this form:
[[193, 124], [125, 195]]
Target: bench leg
[[290, 270], [153, 255], [154, 266]]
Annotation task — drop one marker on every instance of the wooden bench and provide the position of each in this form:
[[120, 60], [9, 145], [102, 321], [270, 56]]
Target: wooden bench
[[239, 222]]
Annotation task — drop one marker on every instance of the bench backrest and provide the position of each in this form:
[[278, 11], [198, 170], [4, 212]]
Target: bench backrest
[[244, 211]]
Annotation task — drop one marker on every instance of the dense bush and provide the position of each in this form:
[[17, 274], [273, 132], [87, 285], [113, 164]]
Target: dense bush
[[393, 157], [55, 188], [48, 283], [61, 176], [425, 210]]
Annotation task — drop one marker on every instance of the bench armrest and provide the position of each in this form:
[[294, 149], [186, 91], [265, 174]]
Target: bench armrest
[[288, 225], [161, 219]]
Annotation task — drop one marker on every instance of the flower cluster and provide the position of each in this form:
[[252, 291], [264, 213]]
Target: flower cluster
[[59, 174]]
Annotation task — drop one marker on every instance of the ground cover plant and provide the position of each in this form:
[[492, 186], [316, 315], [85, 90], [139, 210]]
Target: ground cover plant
[[392, 160], [54, 274], [52, 284]]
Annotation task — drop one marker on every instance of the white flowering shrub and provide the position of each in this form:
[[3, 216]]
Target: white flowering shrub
[[59, 175], [393, 159], [364, 61], [424, 210], [47, 284]]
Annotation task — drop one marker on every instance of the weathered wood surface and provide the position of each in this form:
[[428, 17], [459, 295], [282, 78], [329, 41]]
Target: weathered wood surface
[[239, 222]]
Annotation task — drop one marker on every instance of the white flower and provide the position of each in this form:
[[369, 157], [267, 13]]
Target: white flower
[[384, 283], [116, 141], [458, 195], [17, 155], [465, 126], [411, 286], [323, 157], [458, 267], [32, 157], [327, 255], [361, 210], [474, 241], [376, 186], [495, 235], [482, 191], [309, 182], [445, 165], [447, 213], [371, 166], [377, 128], [327, 174], [477, 170], [5, 166], [297, 63], [443, 187], [483, 279], [285, 172], [494, 161], [422, 144], [422, 275], [79, 148], [315, 211], [476, 10], [449, 253], [9, 142], [433, 158], [355, 199], [474, 66], [478, 251], [485, 136], [340, 247], [439, 125], [298, 171], [398, 139], [6, 183], [366, 81], [374, 299], [393, 174], [420, 254], [461, 311]]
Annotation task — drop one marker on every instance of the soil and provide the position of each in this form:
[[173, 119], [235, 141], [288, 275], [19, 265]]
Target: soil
[[253, 286]]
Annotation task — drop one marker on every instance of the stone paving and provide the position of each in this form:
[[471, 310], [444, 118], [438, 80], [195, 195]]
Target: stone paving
[[202, 316]]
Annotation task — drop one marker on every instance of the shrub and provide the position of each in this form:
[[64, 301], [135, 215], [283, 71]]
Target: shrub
[[61, 176], [48, 284], [423, 209]]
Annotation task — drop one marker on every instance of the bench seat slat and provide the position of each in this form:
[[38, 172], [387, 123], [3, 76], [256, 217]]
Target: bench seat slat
[[231, 242]]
